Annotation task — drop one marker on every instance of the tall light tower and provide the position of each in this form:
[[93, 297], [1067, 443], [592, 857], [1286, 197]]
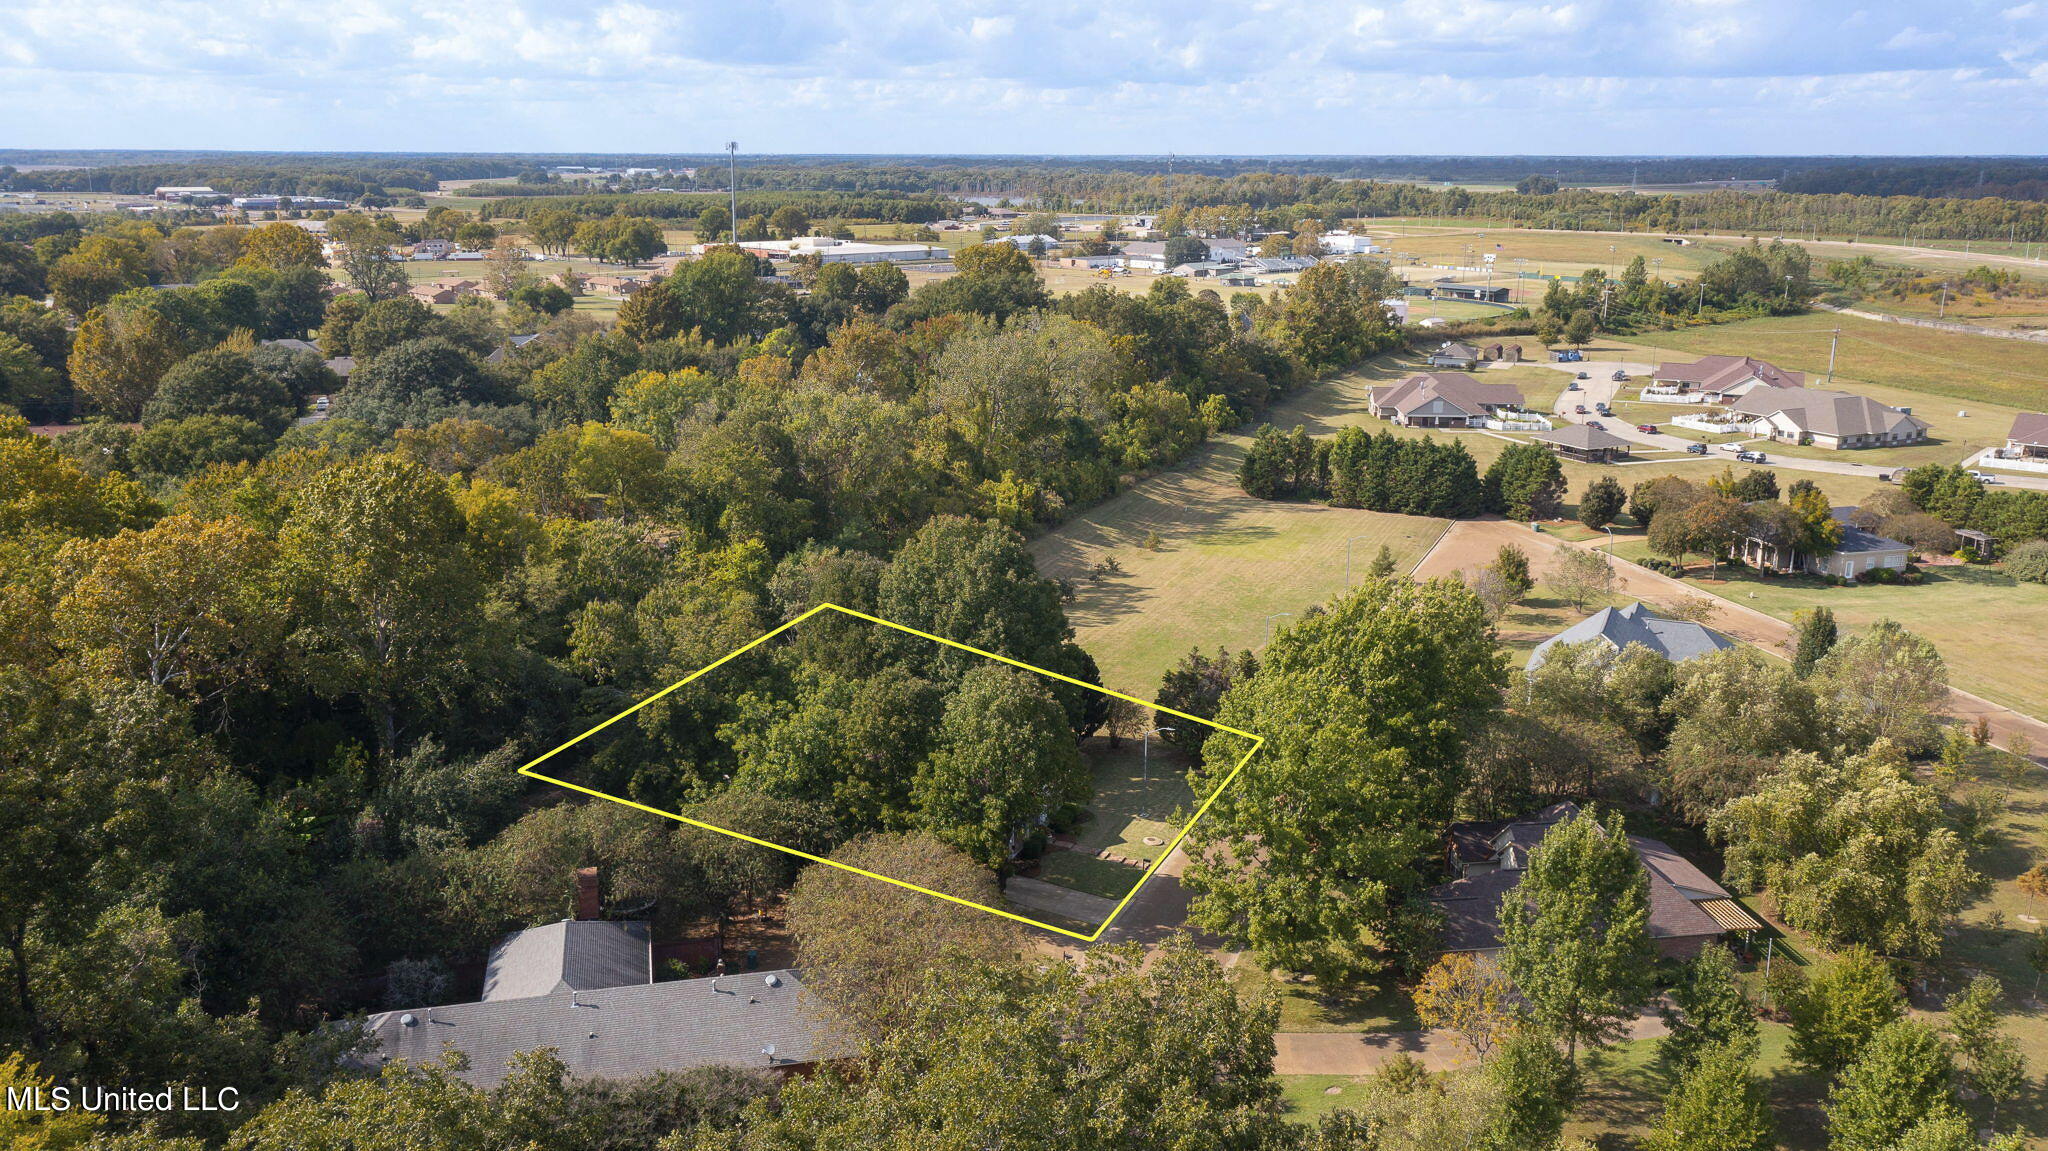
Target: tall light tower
[[732, 167]]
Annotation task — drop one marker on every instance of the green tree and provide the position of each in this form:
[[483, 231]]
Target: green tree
[[372, 269], [1992, 1062], [1840, 1009], [788, 222], [221, 382], [1602, 502], [1196, 685], [120, 353], [1888, 683], [96, 271], [1718, 1105], [281, 246], [1575, 932], [26, 383], [1814, 638], [375, 555], [866, 947], [1708, 1012], [1526, 482], [181, 447], [713, 222], [1312, 858], [1004, 758], [1538, 1085], [1899, 1081]]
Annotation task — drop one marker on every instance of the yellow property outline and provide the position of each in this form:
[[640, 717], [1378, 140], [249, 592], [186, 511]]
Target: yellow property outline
[[1257, 742]]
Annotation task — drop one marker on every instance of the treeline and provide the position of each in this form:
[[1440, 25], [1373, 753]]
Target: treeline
[[883, 207], [324, 177], [2005, 178], [1387, 473], [1960, 500]]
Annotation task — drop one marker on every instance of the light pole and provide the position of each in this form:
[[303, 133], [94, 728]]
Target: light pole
[[1347, 556], [1145, 761], [732, 167], [1269, 623]]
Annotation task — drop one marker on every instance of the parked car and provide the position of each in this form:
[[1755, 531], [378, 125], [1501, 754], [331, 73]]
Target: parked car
[[1648, 428], [1580, 410], [1696, 449], [1984, 477], [1571, 385], [1619, 375], [1584, 376], [1595, 425], [1732, 448], [1751, 457]]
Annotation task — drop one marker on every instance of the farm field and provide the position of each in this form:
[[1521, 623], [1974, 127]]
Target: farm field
[[1547, 252], [1988, 627]]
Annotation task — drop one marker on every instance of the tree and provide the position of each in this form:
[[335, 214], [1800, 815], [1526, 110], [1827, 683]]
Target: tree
[[1581, 575], [1458, 994], [1526, 482], [552, 228], [1311, 859], [866, 946], [34, 1128], [374, 553], [789, 222], [1512, 565], [1602, 502], [1899, 1081], [1718, 1105], [26, 382], [97, 270], [1708, 1012], [1383, 564], [1004, 757], [1734, 716], [1196, 685], [2028, 562], [1814, 638], [119, 355], [1578, 330], [221, 382], [1888, 683], [182, 447], [282, 246], [1991, 1061], [1538, 1085], [714, 221], [1856, 852], [373, 270], [1840, 1009], [1185, 250], [1575, 932]]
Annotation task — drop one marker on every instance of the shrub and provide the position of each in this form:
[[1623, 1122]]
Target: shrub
[[1879, 576], [2028, 562]]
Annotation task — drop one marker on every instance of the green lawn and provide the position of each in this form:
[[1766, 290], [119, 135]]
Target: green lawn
[[1304, 1007], [1988, 627], [1092, 874], [1307, 1098], [1133, 802]]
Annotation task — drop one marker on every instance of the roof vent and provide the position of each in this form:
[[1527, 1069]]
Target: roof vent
[[773, 980], [407, 1019]]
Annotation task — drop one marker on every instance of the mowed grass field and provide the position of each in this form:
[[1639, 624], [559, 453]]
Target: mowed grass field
[[1547, 252]]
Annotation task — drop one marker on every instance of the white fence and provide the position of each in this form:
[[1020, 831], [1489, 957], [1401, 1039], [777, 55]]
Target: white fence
[[1671, 396], [1517, 422], [1708, 423], [2018, 464]]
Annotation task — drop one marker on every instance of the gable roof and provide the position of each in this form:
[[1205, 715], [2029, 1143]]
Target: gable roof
[[2029, 428], [1858, 541], [1455, 388], [1675, 639], [1827, 413], [1714, 373], [1581, 437], [1456, 351], [621, 1032], [1471, 905], [572, 955]]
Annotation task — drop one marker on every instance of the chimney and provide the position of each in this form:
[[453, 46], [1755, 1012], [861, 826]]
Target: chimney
[[588, 905]]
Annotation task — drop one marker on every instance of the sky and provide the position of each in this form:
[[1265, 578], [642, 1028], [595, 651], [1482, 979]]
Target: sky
[[1318, 77]]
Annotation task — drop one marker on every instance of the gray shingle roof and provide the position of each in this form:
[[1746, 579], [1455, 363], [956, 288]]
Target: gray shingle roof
[[573, 955], [1675, 639], [1716, 373], [1857, 541], [622, 1032], [1827, 413], [2029, 428], [1581, 437], [1459, 390]]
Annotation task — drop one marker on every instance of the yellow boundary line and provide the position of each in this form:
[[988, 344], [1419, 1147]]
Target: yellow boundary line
[[1257, 742]]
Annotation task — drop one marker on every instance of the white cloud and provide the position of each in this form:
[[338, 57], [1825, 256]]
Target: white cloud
[[1191, 76]]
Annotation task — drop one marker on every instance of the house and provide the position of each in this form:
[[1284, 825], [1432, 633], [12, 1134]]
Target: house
[[295, 345], [620, 286], [1688, 910], [1145, 255], [585, 987], [1724, 378], [1585, 444], [1346, 244], [1826, 419], [1443, 400], [1455, 355], [1860, 551], [1226, 249], [2028, 439], [434, 294], [1677, 640], [433, 249]]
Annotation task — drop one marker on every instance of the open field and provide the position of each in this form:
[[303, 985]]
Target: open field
[[1871, 355], [1547, 252], [1988, 627], [1980, 308]]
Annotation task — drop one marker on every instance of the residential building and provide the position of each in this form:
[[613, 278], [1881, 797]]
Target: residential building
[[1443, 400], [1860, 551], [1826, 419], [608, 285], [1722, 379], [1688, 910], [1455, 355], [834, 251], [1677, 640], [433, 249], [1226, 249], [1586, 444], [585, 987], [2028, 439]]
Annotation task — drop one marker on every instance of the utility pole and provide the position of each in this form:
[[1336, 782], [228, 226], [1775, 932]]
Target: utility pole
[[1837, 335], [1942, 310], [732, 167]]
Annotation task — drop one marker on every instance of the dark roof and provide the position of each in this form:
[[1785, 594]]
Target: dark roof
[[1471, 906], [1582, 437], [295, 345], [1715, 373], [1675, 639], [1455, 388], [573, 955], [1857, 541], [621, 1032], [2029, 428], [1456, 351]]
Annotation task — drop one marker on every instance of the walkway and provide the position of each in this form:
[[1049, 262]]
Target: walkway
[[1052, 899]]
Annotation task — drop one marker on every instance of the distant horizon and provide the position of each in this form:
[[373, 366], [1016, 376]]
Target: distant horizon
[[1040, 157]]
